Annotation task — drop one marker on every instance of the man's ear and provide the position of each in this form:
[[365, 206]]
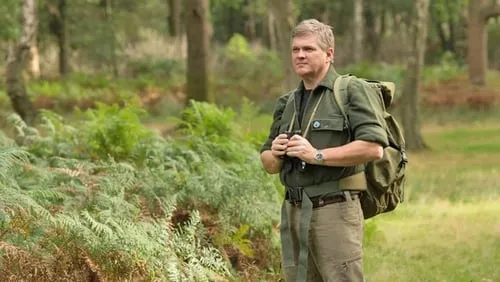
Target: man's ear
[[330, 52]]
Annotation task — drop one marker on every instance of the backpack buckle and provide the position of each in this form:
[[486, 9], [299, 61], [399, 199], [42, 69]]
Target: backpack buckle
[[294, 195], [404, 159]]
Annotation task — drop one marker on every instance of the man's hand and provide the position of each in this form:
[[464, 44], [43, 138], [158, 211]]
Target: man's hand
[[279, 145], [300, 147]]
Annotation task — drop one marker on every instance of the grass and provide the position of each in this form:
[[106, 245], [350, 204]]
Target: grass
[[436, 242], [449, 228]]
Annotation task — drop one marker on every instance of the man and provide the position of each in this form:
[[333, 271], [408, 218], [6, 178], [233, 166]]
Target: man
[[320, 162]]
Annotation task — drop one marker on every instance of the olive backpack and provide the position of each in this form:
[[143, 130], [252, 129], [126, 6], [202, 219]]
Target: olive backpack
[[385, 177]]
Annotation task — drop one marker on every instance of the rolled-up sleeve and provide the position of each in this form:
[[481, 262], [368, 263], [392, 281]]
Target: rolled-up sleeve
[[275, 126], [366, 113]]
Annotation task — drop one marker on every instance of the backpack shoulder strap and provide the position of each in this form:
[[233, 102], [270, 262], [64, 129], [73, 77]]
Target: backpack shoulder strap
[[340, 93]]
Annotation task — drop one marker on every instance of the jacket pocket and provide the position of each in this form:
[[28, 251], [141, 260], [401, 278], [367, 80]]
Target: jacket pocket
[[328, 132]]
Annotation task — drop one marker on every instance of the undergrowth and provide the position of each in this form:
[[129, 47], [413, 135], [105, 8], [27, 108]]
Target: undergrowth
[[104, 197]]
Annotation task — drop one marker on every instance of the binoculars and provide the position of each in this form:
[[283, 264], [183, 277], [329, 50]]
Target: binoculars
[[289, 135]]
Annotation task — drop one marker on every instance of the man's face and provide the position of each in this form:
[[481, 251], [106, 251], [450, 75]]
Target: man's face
[[308, 59]]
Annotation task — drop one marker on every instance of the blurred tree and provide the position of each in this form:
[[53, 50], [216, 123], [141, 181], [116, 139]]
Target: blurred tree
[[174, 17], [33, 61], [227, 18], [285, 19], [374, 31], [446, 16], [107, 6], [250, 26], [16, 56], [198, 35], [358, 27], [59, 27], [480, 11], [415, 63], [269, 32]]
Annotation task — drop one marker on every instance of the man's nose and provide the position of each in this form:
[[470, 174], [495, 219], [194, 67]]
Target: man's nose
[[301, 53]]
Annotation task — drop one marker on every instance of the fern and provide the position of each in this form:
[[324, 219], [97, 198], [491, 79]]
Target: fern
[[60, 196], [9, 158], [101, 230]]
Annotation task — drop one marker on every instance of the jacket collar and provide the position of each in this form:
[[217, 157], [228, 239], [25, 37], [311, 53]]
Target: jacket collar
[[326, 82]]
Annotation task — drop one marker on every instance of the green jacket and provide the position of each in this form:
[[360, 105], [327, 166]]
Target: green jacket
[[327, 128]]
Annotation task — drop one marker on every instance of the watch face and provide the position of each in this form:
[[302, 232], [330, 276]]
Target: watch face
[[319, 155]]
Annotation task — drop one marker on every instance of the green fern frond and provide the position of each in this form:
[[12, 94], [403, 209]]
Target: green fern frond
[[10, 157], [100, 229], [48, 195], [18, 123], [5, 140]]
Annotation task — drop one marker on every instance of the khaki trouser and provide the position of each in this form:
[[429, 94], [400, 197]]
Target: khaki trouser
[[335, 243]]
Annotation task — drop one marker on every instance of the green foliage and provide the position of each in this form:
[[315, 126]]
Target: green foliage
[[79, 90], [493, 42], [89, 82], [10, 157], [103, 224], [447, 69], [448, 10], [71, 200], [383, 72], [114, 131], [238, 48], [236, 239], [203, 119], [9, 21], [156, 68], [247, 72], [253, 127]]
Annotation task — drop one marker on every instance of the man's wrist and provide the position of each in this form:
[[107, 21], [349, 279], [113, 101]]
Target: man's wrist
[[319, 157]]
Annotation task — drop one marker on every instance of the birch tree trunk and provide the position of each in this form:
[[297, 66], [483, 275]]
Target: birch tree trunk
[[198, 35], [410, 99], [33, 62], [16, 56], [358, 27], [268, 31]]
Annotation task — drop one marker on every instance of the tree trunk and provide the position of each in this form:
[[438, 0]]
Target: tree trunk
[[63, 39], [410, 110], [372, 35], [198, 37], [250, 24], [479, 13], [358, 31], [112, 36], [269, 33], [284, 15], [174, 18], [107, 6], [33, 62], [16, 88], [59, 28]]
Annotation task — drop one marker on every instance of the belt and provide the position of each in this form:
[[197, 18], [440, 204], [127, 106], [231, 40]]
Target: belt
[[321, 201]]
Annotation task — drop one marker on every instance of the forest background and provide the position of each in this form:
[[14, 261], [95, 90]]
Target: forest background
[[130, 133]]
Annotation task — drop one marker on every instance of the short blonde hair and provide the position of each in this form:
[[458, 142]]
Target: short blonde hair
[[324, 32]]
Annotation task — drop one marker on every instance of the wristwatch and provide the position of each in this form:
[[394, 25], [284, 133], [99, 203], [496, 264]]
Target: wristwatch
[[318, 157]]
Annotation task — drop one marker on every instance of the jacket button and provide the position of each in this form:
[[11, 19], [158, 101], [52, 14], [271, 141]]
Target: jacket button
[[316, 124]]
